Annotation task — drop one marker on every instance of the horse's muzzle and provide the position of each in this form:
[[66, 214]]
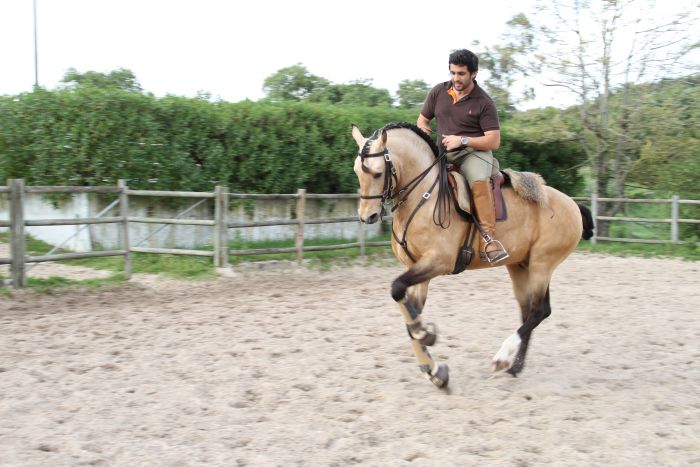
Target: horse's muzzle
[[372, 219]]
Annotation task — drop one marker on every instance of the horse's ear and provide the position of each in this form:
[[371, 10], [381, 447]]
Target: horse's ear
[[382, 138], [359, 139]]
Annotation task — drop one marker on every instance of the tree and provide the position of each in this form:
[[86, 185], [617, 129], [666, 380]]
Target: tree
[[412, 93], [509, 82], [295, 83], [590, 48], [359, 93], [118, 79], [292, 83], [669, 156]]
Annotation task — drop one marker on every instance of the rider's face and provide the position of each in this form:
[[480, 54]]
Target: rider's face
[[461, 78]]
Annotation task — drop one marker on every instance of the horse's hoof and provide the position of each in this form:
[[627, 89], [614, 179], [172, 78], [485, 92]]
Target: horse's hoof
[[441, 376], [505, 357], [516, 367]]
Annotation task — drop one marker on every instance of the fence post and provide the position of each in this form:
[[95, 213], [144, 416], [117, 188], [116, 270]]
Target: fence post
[[124, 212], [220, 227], [361, 236], [674, 218], [225, 197], [17, 242], [594, 214], [301, 206], [217, 227]]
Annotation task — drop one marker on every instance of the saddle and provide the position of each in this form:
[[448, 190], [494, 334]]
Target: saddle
[[463, 195]]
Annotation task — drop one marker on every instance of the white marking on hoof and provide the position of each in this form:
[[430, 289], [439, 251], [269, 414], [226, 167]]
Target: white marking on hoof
[[505, 356]]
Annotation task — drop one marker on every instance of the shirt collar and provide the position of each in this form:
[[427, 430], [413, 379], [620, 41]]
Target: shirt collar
[[452, 93]]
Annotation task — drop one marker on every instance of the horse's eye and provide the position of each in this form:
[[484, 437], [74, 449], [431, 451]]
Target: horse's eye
[[377, 175]]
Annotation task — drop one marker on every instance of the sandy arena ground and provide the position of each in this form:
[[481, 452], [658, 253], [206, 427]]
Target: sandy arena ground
[[299, 367]]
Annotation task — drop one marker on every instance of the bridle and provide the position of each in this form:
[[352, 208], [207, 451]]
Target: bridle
[[390, 181], [388, 185]]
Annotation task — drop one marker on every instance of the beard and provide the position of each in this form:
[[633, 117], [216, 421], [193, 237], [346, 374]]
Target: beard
[[460, 85], [463, 84]]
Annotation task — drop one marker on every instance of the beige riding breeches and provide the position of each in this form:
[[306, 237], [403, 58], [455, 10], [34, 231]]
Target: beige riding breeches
[[474, 165]]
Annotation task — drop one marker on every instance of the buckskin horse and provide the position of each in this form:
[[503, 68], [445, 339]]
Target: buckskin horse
[[431, 237]]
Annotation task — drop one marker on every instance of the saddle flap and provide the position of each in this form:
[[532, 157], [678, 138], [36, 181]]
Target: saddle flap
[[459, 189]]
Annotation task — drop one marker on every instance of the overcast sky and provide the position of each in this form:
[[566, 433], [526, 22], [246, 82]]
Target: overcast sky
[[228, 48]]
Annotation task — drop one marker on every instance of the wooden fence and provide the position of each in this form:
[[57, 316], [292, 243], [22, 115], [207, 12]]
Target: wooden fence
[[674, 220], [220, 224]]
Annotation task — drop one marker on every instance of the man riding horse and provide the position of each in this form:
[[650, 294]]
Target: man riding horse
[[467, 122]]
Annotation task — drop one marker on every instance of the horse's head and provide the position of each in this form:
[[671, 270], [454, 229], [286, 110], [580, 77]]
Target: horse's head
[[375, 172]]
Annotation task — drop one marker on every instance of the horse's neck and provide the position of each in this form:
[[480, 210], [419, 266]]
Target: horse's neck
[[410, 163]]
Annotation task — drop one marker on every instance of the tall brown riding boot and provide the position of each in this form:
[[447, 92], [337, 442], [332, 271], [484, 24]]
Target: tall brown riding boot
[[486, 214]]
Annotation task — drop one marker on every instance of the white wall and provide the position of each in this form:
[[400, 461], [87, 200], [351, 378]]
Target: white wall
[[180, 236], [37, 208]]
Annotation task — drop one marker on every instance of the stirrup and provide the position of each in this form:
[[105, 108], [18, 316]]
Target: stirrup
[[499, 254]]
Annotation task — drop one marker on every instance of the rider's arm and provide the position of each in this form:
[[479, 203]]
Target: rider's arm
[[489, 142], [424, 124]]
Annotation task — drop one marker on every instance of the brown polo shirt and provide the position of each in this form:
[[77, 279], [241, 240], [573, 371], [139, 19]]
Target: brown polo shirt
[[472, 115]]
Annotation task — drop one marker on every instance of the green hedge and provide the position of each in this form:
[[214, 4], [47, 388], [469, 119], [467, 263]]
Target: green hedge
[[93, 136]]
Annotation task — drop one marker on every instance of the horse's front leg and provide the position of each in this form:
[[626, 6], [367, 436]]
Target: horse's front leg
[[412, 311], [410, 291]]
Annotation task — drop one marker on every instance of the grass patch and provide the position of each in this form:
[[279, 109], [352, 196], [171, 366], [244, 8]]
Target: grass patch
[[49, 285], [174, 266], [323, 259], [688, 251]]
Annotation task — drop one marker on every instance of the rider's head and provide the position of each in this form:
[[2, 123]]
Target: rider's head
[[464, 57]]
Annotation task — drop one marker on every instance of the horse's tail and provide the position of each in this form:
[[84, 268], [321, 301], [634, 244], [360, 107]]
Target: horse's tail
[[588, 224]]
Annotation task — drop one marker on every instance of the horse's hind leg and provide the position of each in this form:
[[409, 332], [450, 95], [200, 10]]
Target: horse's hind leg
[[410, 291], [532, 292], [535, 316]]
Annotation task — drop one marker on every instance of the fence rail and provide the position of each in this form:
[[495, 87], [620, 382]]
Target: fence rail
[[675, 220], [221, 226], [220, 253], [71, 189], [171, 194], [85, 221]]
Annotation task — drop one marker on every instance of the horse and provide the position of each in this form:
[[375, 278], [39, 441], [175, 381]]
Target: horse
[[400, 163]]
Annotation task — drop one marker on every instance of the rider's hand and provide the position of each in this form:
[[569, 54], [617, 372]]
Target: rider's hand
[[451, 142]]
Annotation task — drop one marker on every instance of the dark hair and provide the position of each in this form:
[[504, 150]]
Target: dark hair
[[466, 58]]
